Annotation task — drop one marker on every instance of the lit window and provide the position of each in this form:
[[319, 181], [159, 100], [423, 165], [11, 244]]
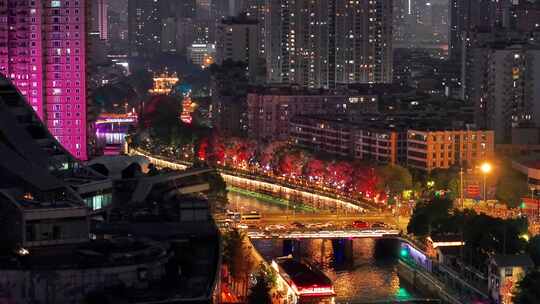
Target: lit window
[[55, 3]]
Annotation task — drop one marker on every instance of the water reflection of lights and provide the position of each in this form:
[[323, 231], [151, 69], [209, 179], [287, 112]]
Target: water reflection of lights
[[235, 180], [111, 138], [357, 276]]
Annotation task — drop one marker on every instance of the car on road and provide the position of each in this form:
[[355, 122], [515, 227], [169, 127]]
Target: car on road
[[378, 225], [256, 234], [298, 225], [360, 224], [313, 226], [271, 227]]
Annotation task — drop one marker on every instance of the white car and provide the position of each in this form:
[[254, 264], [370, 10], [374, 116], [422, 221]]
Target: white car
[[256, 234]]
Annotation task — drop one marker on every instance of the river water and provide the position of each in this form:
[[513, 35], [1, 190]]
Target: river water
[[359, 276]]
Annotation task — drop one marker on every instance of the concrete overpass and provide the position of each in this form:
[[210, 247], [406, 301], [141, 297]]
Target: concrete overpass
[[170, 183]]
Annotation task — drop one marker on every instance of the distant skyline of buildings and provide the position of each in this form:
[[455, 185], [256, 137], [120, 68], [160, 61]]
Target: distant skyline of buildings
[[505, 89], [103, 19], [314, 45], [319, 45], [239, 40]]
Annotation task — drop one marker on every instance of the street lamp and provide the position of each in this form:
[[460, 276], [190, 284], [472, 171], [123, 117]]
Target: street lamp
[[486, 169], [461, 187]]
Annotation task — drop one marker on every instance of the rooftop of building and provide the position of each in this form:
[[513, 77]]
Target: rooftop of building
[[449, 128], [394, 121], [450, 250], [36, 205], [92, 254], [531, 160], [341, 90], [443, 238], [517, 260], [344, 121], [510, 40], [241, 19], [534, 164], [32, 157]]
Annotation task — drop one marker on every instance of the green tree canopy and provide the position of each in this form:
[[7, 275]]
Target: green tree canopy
[[484, 235], [534, 249], [260, 292], [528, 289], [428, 216], [394, 178], [218, 187], [443, 177], [234, 253], [511, 187]]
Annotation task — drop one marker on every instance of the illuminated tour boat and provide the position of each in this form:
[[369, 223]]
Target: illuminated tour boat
[[306, 282]]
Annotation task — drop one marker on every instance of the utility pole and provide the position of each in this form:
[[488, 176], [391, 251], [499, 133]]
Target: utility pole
[[461, 187]]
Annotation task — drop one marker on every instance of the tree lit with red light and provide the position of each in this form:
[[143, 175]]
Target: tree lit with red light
[[279, 160]]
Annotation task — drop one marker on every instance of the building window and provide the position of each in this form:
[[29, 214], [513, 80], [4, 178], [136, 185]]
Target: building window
[[508, 271]]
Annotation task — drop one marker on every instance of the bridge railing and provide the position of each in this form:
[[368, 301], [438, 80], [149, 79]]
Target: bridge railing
[[443, 273]]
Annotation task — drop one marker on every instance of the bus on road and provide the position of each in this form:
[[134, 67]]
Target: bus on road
[[251, 216]]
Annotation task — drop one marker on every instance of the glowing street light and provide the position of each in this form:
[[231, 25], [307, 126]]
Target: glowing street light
[[486, 169]]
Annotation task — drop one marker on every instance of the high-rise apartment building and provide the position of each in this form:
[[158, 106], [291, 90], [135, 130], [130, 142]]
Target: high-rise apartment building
[[144, 27], [323, 43], [420, 23], [99, 15], [238, 40], [257, 9], [43, 51], [470, 16], [507, 94], [171, 26], [270, 109], [400, 18], [103, 19], [168, 35], [118, 25]]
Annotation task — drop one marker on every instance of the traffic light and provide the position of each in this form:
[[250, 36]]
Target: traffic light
[[522, 205]]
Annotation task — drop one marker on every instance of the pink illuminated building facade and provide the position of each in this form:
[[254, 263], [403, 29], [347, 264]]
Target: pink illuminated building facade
[[43, 51]]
